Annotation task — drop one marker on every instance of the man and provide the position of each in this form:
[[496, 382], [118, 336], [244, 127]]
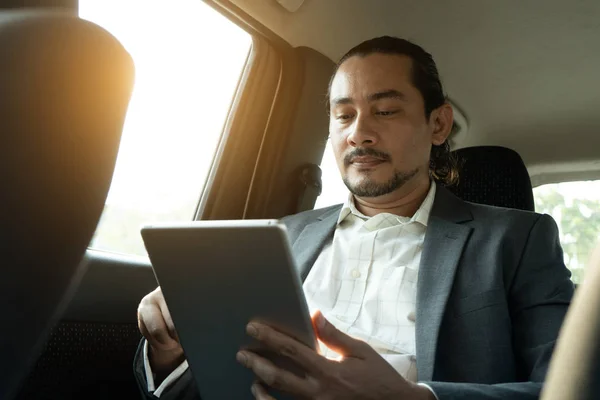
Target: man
[[421, 295]]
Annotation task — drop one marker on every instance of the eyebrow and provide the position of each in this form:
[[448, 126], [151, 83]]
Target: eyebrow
[[386, 94]]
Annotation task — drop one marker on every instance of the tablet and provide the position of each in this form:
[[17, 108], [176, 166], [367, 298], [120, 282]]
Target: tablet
[[216, 276]]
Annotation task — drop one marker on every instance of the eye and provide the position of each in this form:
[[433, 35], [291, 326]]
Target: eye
[[343, 117], [386, 113]]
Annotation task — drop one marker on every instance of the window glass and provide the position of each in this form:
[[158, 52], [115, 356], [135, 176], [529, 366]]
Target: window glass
[[334, 190], [575, 206], [189, 59]]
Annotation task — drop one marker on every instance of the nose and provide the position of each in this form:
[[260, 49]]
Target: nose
[[361, 132]]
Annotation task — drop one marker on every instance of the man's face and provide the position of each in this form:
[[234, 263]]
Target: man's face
[[380, 136]]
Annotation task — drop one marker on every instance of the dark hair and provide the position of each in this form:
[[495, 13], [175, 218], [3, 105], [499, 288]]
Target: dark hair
[[425, 77]]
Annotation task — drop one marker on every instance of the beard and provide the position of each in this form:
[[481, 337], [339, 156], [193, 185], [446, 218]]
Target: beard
[[368, 187]]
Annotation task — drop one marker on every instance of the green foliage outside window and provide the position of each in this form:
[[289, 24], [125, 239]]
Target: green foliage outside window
[[575, 207]]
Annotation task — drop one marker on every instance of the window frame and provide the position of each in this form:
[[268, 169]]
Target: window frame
[[251, 148]]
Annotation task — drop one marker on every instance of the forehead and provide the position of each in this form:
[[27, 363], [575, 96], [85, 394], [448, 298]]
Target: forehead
[[360, 76]]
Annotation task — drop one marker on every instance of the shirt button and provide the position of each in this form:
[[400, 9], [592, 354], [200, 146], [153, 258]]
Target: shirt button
[[355, 273], [411, 316]]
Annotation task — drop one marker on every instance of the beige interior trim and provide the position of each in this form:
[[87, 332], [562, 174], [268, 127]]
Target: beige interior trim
[[542, 174], [247, 22], [258, 124], [277, 136], [307, 136], [227, 194]]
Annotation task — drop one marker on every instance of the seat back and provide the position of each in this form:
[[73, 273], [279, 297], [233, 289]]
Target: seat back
[[89, 354], [575, 365], [493, 175], [65, 84]]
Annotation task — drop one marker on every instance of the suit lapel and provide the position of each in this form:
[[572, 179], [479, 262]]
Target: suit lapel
[[312, 240], [444, 242]]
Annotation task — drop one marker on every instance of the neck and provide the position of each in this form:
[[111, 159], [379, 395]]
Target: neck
[[404, 201]]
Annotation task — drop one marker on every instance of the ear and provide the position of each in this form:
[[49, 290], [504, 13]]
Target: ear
[[442, 119]]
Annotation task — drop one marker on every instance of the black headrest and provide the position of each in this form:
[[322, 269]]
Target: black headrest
[[65, 85], [495, 176]]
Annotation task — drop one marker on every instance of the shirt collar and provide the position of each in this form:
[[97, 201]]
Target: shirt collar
[[421, 216]]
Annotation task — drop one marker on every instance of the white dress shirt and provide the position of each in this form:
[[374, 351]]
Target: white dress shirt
[[365, 283]]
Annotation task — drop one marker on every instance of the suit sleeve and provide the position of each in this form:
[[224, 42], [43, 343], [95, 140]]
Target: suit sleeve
[[538, 297], [183, 388]]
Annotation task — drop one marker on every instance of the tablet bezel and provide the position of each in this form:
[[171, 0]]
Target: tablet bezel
[[182, 252]]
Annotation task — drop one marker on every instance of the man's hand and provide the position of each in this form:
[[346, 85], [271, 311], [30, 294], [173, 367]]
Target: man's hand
[[156, 324], [360, 374]]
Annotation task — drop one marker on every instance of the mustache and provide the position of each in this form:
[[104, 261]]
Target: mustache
[[366, 151]]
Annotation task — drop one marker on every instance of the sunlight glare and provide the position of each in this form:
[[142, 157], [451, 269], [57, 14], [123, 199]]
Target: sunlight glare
[[188, 61]]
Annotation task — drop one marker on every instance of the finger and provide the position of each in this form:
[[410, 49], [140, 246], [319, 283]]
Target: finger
[[154, 328], [157, 297], [260, 393], [289, 347], [275, 377], [162, 304], [338, 341]]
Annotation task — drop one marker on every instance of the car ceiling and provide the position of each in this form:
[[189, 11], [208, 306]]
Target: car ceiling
[[524, 73]]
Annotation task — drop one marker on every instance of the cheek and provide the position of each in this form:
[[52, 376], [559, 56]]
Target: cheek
[[408, 144], [401, 138]]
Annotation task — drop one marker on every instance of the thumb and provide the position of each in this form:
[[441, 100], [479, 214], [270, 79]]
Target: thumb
[[338, 341]]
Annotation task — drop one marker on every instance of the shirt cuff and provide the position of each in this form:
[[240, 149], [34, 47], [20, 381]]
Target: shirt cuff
[[430, 389], [173, 376]]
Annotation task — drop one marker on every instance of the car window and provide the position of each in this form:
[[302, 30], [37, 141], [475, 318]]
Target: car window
[[334, 191], [575, 206], [188, 59]]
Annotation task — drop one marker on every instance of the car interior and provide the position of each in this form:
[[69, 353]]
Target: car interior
[[115, 114]]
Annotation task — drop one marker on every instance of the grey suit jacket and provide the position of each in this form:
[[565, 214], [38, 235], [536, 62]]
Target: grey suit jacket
[[492, 293]]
